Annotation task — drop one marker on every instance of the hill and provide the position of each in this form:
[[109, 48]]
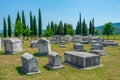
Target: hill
[[116, 31]]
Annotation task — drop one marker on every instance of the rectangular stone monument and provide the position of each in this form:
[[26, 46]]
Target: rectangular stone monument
[[33, 43], [99, 52], [77, 38], [67, 38], [44, 47], [82, 60], [56, 38], [54, 61], [13, 45], [29, 64], [78, 47], [96, 47]]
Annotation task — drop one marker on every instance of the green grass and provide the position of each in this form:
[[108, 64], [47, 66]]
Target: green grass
[[10, 66]]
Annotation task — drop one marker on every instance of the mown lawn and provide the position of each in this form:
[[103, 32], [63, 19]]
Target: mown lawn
[[10, 66]]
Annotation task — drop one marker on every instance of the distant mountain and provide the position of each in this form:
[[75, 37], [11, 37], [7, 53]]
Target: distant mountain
[[116, 31]]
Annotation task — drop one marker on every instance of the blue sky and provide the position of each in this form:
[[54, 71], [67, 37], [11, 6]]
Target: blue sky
[[66, 10]]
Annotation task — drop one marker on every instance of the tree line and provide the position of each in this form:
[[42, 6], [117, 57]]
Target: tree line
[[21, 28]]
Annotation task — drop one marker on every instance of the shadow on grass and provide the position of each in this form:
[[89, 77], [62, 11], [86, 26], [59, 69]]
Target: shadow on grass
[[38, 55], [48, 69], [19, 69]]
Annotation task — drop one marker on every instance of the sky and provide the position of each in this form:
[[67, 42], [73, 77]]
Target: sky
[[66, 10]]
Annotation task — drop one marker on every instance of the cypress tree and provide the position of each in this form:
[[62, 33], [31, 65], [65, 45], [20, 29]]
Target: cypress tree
[[93, 26], [60, 30], [77, 28], [65, 29], [53, 27], [31, 24], [35, 27], [9, 26], [84, 33], [90, 27], [39, 24], [4, 28], [24, 24], [80, 25]]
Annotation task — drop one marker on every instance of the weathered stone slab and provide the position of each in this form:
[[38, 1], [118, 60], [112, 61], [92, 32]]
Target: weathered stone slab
[[77, 38], [105, 44], [54, 61], [56, 38], [44, 47], [33, 43], [78, 47], [62, 44], [82, 59], [99, 52], [29, 64], [96, 47], [13, 45], [67, 38]]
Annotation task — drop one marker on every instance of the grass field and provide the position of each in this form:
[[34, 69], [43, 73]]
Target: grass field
[[10, 66]]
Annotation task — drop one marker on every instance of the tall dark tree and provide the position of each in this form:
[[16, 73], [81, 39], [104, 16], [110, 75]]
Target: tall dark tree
[[93, 26], [39, 24], [79, 26], [84, 29], [24, 24], [60, 30], [35, 27], [90, 27], [65, 29], [9, 26], [53, 27], [31, 24], [4, 28]]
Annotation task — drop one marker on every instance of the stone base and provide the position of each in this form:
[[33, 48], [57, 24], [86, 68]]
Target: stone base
[[43, 54], [85, 68], [79, 49], [13, 52], [54, 67], [30, 73], [99, 52]]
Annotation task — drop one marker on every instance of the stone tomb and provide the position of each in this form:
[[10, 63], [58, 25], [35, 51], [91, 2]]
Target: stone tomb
[[13, 45], [44, 47], [62, 44], [67, 38], [109, 43], [99, 52], [78, 47], [77, 38], [29, 64], [56, 38], [33, 43], [54, 61], [82, 60], [96, 47]]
